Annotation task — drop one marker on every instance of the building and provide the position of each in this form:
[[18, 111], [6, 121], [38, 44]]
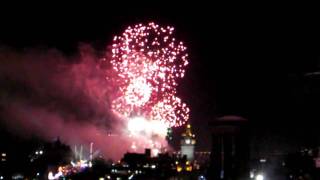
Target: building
[[188, 142], [230, 149]]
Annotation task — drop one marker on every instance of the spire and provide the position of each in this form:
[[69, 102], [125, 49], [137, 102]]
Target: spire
[[188, 137], [188, 132]]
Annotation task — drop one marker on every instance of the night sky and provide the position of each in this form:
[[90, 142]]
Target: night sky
[[243, 61]]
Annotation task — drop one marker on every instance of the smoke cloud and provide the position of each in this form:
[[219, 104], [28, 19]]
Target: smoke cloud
[[47, 94]]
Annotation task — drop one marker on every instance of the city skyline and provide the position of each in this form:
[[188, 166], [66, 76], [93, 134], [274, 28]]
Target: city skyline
[[258, 64]]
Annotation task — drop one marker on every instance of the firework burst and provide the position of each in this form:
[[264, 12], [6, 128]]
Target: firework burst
[[149, 61]]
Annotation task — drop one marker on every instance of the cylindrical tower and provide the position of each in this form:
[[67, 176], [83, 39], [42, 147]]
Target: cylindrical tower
[[230, 148]]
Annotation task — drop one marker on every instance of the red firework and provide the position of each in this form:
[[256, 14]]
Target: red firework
[[148, 61]]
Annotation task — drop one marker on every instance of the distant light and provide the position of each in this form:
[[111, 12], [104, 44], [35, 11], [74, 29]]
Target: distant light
[[188, 141], [291, 176], [251, 175], [38, 174], [179, 168], [130, 177], [259, 177], [40, 152], [37, 152], [101, 178], [3, 154], [1, 177], [17, 176], [153, 166], [189, 168], [108, 177], [263, 160]]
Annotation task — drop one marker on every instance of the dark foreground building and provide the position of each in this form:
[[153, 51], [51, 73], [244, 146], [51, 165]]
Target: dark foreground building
[[230, 149]]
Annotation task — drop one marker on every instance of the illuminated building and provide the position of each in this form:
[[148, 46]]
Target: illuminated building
[[187, 143], [230, 148]]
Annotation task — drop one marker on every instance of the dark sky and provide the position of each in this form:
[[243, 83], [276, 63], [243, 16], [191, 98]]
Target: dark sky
[[243, 61]]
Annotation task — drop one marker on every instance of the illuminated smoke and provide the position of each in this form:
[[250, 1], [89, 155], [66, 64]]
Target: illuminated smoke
[[126, 104]]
